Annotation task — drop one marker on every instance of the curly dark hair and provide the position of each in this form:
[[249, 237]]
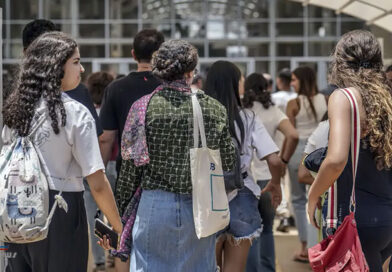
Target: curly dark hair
[[256, 90], [357, 62], [96, 84], [173, 59], [41, 72]]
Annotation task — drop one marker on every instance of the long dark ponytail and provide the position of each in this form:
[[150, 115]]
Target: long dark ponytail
[[307, 85], [222, 84]]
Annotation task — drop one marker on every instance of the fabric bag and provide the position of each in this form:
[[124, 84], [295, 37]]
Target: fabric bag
[[24, 191], [342, 251], [210, 204]]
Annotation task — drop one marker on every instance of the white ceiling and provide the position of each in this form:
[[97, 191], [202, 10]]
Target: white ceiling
[[377, 12]]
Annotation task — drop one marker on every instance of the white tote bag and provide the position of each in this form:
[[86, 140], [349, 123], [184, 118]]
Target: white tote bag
[[210, 205]]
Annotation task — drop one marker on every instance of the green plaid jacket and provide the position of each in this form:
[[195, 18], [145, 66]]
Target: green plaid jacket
[[169, 135]]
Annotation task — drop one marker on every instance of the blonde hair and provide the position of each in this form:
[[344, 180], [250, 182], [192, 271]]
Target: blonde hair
[[357, 62]]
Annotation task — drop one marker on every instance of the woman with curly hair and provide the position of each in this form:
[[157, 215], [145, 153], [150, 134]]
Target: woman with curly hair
[[357, 64], [69, 150], [164, 236]]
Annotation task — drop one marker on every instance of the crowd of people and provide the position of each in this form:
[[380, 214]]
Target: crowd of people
[[120, 139]]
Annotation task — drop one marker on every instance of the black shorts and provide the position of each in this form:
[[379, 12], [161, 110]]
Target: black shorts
[[65, 248]]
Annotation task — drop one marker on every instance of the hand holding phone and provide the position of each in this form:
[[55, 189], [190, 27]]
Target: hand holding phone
[[101, 230]]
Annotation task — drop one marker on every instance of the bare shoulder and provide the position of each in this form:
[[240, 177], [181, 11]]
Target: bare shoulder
[[292, 107]]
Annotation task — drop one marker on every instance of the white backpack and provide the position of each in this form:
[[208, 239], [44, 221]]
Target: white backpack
[[24, 191]]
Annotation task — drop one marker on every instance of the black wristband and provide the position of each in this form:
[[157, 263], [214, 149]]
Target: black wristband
[[283, 160]]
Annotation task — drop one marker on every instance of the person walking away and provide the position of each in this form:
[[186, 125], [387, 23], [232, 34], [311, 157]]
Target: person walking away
[[164, 236], [357, 65], [96, 84], [122, 93], [304, 112], [50, 67], [258, 99], [225, 83]]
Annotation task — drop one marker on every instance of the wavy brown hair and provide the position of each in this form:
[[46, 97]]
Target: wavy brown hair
[[357, 62], [40, 75], [307, 85]]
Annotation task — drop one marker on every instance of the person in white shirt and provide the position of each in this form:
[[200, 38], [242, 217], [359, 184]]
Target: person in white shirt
[[69, 150], [225, 83], [304, 112], [285, 93], [258, 99]]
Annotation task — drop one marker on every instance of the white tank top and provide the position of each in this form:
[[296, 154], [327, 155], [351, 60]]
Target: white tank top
[[305, 121]]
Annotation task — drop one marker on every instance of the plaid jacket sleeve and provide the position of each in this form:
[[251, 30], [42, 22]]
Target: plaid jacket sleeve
[[128, 181]]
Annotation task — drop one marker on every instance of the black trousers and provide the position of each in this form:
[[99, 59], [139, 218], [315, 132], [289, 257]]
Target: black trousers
[[66, 247]]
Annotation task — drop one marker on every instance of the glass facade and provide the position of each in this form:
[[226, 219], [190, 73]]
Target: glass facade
[[264, 33]]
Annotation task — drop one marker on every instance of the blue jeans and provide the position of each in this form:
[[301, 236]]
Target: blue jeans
[[298, 192], [262, 252], [164, 236]]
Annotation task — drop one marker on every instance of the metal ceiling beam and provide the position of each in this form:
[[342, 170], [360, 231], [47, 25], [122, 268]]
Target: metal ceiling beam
[[339, 10]]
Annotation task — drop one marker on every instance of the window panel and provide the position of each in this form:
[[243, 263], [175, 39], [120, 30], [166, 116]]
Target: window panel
[[57, 9], [24, 9], [255, 49], [92, 51], [190, 29], [318, 12], [290, 49], [123, 30], [290, 29], [322, 29], [156, 10], [188, 9], [348, 26], [262, 67], [121, 51], [123, 9], [289, 9], [255, 9], [321, 48], [165, 28], [229, 9], [257, 29], [91, 31], [91, 9]]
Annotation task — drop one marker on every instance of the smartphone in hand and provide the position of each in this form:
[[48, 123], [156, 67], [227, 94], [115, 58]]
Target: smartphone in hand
[[102, 229]]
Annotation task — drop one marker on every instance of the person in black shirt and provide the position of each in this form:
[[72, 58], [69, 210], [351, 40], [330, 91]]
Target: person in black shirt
[[122, 93], [36, 28]]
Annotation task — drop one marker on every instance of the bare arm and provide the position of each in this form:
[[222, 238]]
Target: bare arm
[[103, 196], [275, 166], [106, 141], [291, 139], [292, 110], [338, 148], [304, 175]]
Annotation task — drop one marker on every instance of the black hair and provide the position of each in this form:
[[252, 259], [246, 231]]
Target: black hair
[[145, 43], [285, 76], [256, 90], [36, 28], [389, 69], [222, 84]]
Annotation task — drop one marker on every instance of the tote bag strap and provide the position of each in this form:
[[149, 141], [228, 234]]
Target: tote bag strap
[[355, 140], [198, 122]]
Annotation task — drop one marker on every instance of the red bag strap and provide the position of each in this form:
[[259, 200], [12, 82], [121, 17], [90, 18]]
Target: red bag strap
[[331, 218], [355, 140]]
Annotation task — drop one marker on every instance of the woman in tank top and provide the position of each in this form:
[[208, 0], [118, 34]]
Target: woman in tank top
[[304, 112], [357, 64]]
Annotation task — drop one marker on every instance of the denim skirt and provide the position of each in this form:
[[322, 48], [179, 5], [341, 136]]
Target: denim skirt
[[164, 237]]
